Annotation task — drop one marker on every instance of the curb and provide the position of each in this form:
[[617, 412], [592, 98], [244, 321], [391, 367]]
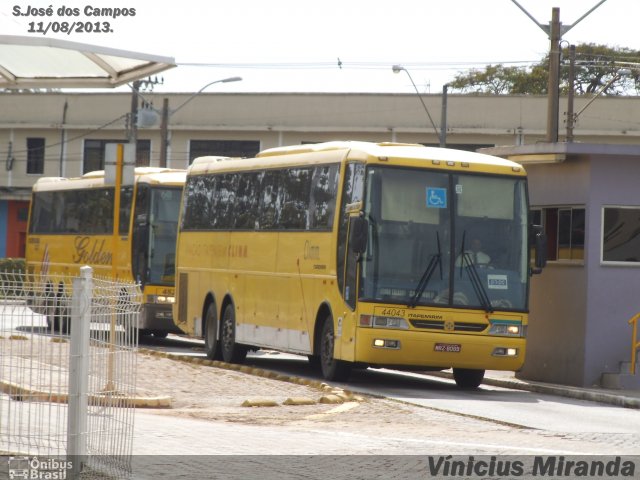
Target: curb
[[559, 390], [19, 393]]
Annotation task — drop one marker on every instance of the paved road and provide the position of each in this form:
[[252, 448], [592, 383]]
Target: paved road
[[520, 408]]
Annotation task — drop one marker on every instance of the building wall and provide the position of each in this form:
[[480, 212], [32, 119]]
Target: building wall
[[612, 291], [556, 333], [16, 229], [4, 209]]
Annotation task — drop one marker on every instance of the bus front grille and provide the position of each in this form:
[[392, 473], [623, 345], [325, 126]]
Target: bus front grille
[[457, 326]]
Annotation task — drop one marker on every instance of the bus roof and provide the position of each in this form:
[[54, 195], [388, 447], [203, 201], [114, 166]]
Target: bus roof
[[150, 175], [317, 153]]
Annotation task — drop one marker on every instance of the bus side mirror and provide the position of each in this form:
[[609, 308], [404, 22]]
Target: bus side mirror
[[358, 230], [540, 246]]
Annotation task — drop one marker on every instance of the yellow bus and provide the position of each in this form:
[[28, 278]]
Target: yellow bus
[[71, 225], [358, 255]]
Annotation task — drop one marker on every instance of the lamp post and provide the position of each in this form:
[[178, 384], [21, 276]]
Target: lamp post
[[400, 68], [166, 114]]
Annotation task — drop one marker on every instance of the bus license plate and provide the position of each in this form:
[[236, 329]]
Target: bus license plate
[[447, 347]]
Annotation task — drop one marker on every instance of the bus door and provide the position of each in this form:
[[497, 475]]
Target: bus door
[[140, 235], [352, 194]]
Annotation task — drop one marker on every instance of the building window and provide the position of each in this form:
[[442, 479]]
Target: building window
[[621, 235], [223, 148], [565, 227], [94, 154], [35, 156]]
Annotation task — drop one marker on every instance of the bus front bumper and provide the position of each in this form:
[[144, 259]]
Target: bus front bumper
[[157, 318], [410, 348]]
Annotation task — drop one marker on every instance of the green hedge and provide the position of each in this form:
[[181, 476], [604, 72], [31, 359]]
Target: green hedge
[[14, 265]]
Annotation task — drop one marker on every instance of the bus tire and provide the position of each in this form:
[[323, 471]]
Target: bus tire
[[468, 378], [332, 369], [231, 351], [211, 343]]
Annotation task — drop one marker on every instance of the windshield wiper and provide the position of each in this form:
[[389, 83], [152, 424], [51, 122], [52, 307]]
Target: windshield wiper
[[434, 262], [476, 283]]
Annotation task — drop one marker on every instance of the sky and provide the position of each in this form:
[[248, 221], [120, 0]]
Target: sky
[[329, 45]]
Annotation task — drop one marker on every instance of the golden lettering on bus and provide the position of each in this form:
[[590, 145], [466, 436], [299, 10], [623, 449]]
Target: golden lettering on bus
[[311, 252], [92, 252], [203, 249]]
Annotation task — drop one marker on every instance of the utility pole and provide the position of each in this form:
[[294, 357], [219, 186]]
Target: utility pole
[[572, 80], [443, 116], [164, 133], [133, 120], [553, 95], [555, 31]]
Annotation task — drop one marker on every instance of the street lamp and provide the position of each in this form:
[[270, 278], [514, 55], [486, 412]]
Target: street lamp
[[400, 68], [166, 113], [224, 80]]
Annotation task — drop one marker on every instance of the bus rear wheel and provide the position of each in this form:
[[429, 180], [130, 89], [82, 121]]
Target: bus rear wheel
[[332, 369], [231, 351], [468, 378], [211, 344]]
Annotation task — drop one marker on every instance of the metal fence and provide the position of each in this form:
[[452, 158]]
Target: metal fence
[[68, 369]]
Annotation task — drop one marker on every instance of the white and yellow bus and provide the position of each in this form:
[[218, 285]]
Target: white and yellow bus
[[71, 225], [358, 254]]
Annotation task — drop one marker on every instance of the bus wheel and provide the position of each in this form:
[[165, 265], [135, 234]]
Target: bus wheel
[[231, 351], [468, 378], [211, 344], [332, 369]]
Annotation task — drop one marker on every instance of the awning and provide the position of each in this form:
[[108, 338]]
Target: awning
[[33, 62]]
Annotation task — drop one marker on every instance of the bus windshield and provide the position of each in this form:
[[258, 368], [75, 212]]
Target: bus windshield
[[155, 234], [446, 239]]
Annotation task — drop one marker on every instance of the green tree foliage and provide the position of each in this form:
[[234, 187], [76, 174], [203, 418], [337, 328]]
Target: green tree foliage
[[597, 67]]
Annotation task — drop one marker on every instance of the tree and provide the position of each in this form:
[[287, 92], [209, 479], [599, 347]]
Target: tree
[[596, 67]]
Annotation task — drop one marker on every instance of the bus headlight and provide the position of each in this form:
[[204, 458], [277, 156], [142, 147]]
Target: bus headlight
[[160, 299], [376, 321], [386, 343], [505, 352], [506, 328]]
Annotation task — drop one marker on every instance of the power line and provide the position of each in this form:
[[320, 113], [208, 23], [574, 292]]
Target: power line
[[72, 139]]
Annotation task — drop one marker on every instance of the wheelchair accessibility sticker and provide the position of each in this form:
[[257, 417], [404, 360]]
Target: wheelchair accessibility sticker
[[436, 197]]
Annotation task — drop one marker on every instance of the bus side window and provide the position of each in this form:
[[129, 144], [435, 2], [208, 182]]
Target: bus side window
[[270, 201], [246, 207], [324, 189]]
